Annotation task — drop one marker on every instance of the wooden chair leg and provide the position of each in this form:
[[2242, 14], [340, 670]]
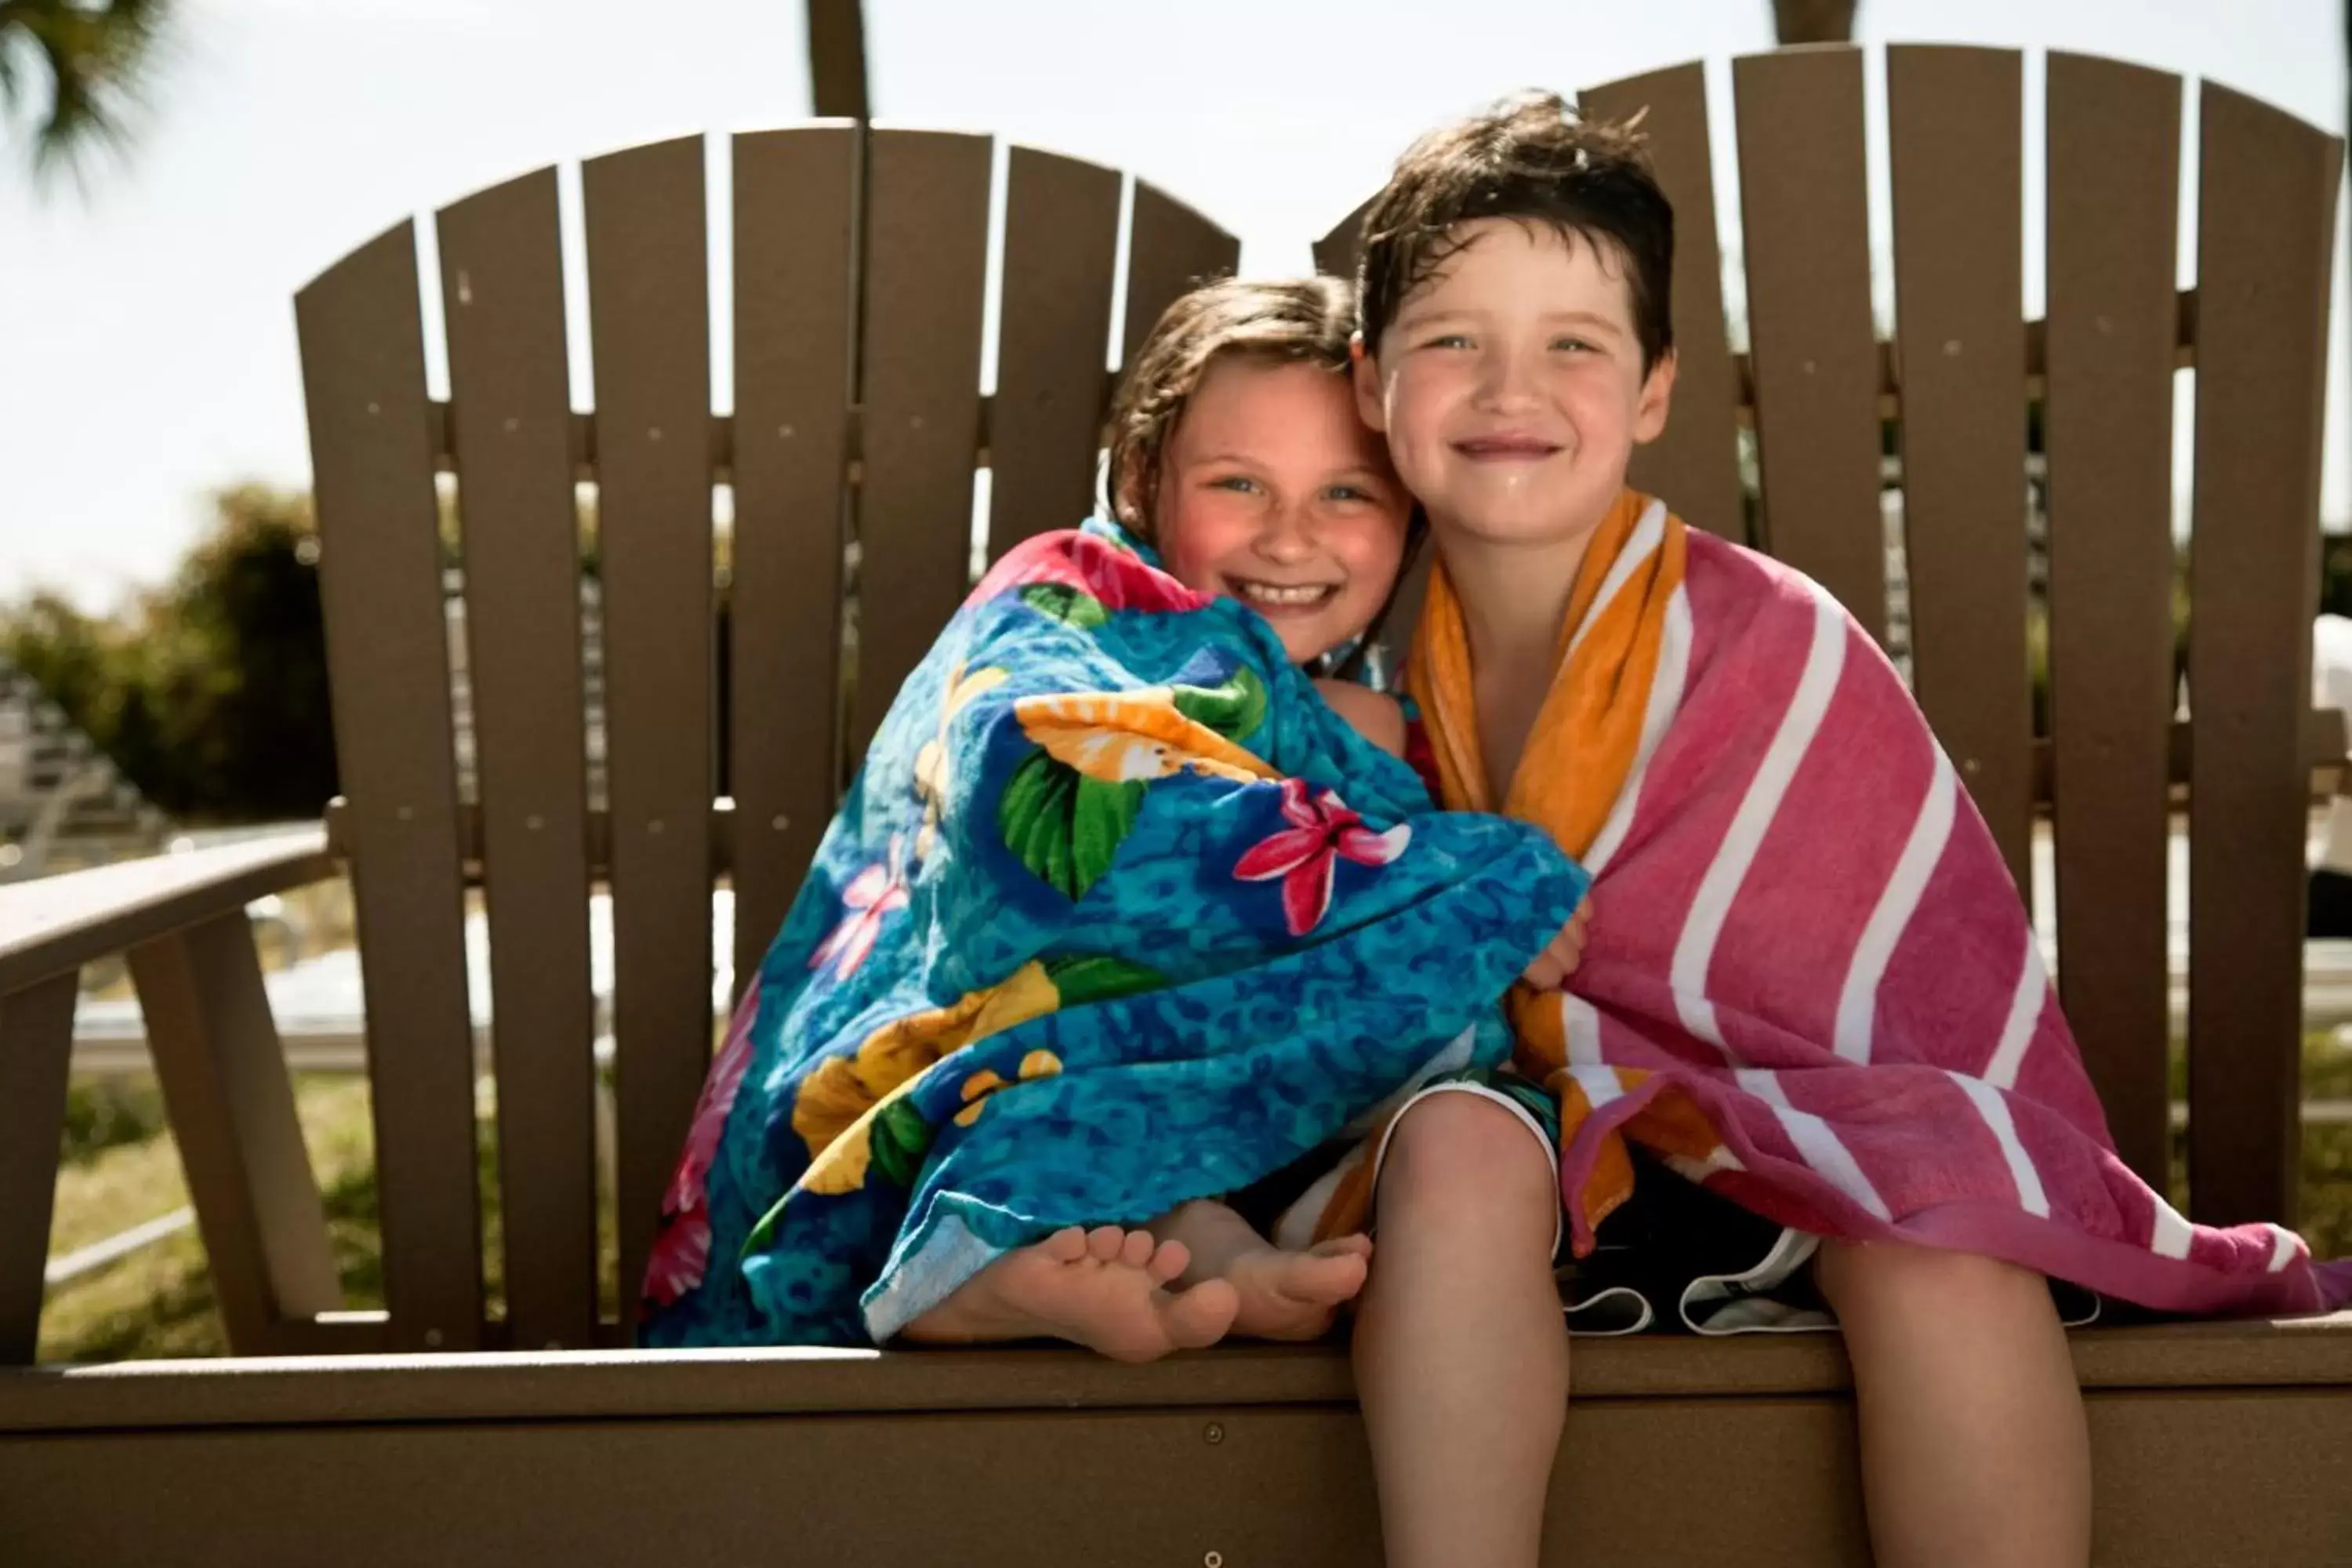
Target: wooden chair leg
[[36, 1048], [231, 1106]]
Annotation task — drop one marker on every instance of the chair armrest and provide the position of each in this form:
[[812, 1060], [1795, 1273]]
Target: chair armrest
[[54, 924]]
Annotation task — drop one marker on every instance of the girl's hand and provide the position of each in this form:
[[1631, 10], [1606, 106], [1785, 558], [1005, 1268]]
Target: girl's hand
[[1558, 961]]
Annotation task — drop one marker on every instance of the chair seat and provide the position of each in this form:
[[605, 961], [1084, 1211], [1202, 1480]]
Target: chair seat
[[1680, 1450]]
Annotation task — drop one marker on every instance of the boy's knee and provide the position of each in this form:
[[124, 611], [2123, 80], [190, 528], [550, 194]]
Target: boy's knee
[[1924, 1281], [1466, 1149]]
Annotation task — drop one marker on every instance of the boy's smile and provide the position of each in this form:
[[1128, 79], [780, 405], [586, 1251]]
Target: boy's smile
[[1511, 385]]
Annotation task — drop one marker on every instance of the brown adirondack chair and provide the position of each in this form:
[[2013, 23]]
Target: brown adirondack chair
[[860, 265]]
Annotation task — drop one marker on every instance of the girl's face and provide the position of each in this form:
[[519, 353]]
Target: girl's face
[[1273, 493]]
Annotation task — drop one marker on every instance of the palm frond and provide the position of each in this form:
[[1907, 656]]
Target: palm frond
[[93, 57]]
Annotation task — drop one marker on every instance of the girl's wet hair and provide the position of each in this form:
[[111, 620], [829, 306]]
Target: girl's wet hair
[[1296, 321]]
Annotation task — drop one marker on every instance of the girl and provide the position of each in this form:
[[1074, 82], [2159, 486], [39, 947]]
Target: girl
[[1085, 862], [1236, 452]]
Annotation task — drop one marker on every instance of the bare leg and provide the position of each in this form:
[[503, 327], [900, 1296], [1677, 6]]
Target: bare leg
[[1106, 1288], [1461, 1353], [1973, 1444], [1284, 1295]]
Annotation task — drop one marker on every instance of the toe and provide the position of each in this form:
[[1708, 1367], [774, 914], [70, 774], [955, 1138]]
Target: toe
[[1356, 1246], [1137, 1249], [1065, 1246], [1104, 1242], [1201, 1316], [1168, 1262]]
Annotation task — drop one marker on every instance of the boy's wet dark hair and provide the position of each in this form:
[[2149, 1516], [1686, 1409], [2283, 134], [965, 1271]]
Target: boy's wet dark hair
[[1531, 158], [1302, 320]]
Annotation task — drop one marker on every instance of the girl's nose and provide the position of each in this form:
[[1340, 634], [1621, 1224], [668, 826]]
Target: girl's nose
[[1287, 534]]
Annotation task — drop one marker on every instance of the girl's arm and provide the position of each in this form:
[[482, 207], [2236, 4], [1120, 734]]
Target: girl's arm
[[1376, 717]]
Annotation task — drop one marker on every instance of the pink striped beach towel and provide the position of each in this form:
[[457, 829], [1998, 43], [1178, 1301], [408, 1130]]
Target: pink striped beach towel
[[1809, 981]]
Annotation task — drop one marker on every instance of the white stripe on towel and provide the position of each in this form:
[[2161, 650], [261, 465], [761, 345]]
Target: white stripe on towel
[[2025, 1005], [1601, 1084], [1666, 702], [1897, 902], [1712, 906], [2169, 1236], [2286, 1247], [1580, 1023], [1816, 1140], [1995, 1111], [1640, 545]]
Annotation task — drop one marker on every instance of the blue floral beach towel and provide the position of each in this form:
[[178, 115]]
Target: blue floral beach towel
[[1118, 914]]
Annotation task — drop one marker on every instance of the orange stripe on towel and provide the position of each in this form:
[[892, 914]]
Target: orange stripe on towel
[[1581, 750]]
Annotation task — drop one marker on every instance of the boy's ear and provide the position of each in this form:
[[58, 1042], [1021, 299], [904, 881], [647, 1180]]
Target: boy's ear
[[1658, 397], [1370, 408]]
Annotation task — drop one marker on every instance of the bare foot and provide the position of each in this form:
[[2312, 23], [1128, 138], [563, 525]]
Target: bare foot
[[1106, 1288], [1295, 1295]]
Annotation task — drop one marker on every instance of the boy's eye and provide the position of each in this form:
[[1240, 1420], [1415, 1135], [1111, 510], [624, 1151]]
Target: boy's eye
[[1448, 341], [1240, 484], [1574, 345]]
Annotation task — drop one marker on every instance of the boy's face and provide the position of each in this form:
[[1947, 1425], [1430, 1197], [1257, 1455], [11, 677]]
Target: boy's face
[[1510, 386]]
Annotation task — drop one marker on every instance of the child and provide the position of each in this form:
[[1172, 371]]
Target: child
[[1236, 451], [1514, 349]]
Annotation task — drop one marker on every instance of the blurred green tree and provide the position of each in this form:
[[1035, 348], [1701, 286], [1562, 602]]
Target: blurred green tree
[[209, 693]]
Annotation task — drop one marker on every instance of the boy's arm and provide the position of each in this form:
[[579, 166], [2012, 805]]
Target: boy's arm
[[1376, 717]]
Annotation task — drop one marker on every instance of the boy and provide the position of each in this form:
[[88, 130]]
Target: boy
[[1515, 348]]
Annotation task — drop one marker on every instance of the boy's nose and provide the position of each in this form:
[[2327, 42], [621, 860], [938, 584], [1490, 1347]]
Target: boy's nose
[[1505, 380]]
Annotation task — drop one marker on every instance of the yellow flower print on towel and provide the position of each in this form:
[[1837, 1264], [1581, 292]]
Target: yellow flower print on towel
[[933, 769], [1066, 809], [1132, 737], [986, 1083], [847, 1112]]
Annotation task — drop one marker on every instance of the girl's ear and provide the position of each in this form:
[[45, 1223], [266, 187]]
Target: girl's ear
[[1126, 495], [1370, 405], [1658, 397]]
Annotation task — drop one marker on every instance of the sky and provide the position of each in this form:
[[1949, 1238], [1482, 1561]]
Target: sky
[[147, 352]]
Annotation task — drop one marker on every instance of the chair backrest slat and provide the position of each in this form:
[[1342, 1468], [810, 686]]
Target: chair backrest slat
[[1803, 195], [1061, 246], [388, 658], [1696, 462], [1953, 117], [1171, 247], [649, 314], [510, 393], [1337, 252], [796, 327], [926, 275], [2266, 216], [2108, 430]]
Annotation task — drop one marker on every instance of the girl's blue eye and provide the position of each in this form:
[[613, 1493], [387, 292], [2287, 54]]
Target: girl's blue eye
[[1236, 482], [1449, 340], [1350, 493]]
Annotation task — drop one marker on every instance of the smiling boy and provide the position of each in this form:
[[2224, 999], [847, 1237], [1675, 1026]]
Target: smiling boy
[[1515, 349]]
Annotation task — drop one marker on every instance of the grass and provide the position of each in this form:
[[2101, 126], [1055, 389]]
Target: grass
[[120, 1168], [158, 1302]]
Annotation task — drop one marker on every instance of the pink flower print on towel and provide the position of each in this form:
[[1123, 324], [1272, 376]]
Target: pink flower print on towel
[[1323, 831], [873, 893]]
